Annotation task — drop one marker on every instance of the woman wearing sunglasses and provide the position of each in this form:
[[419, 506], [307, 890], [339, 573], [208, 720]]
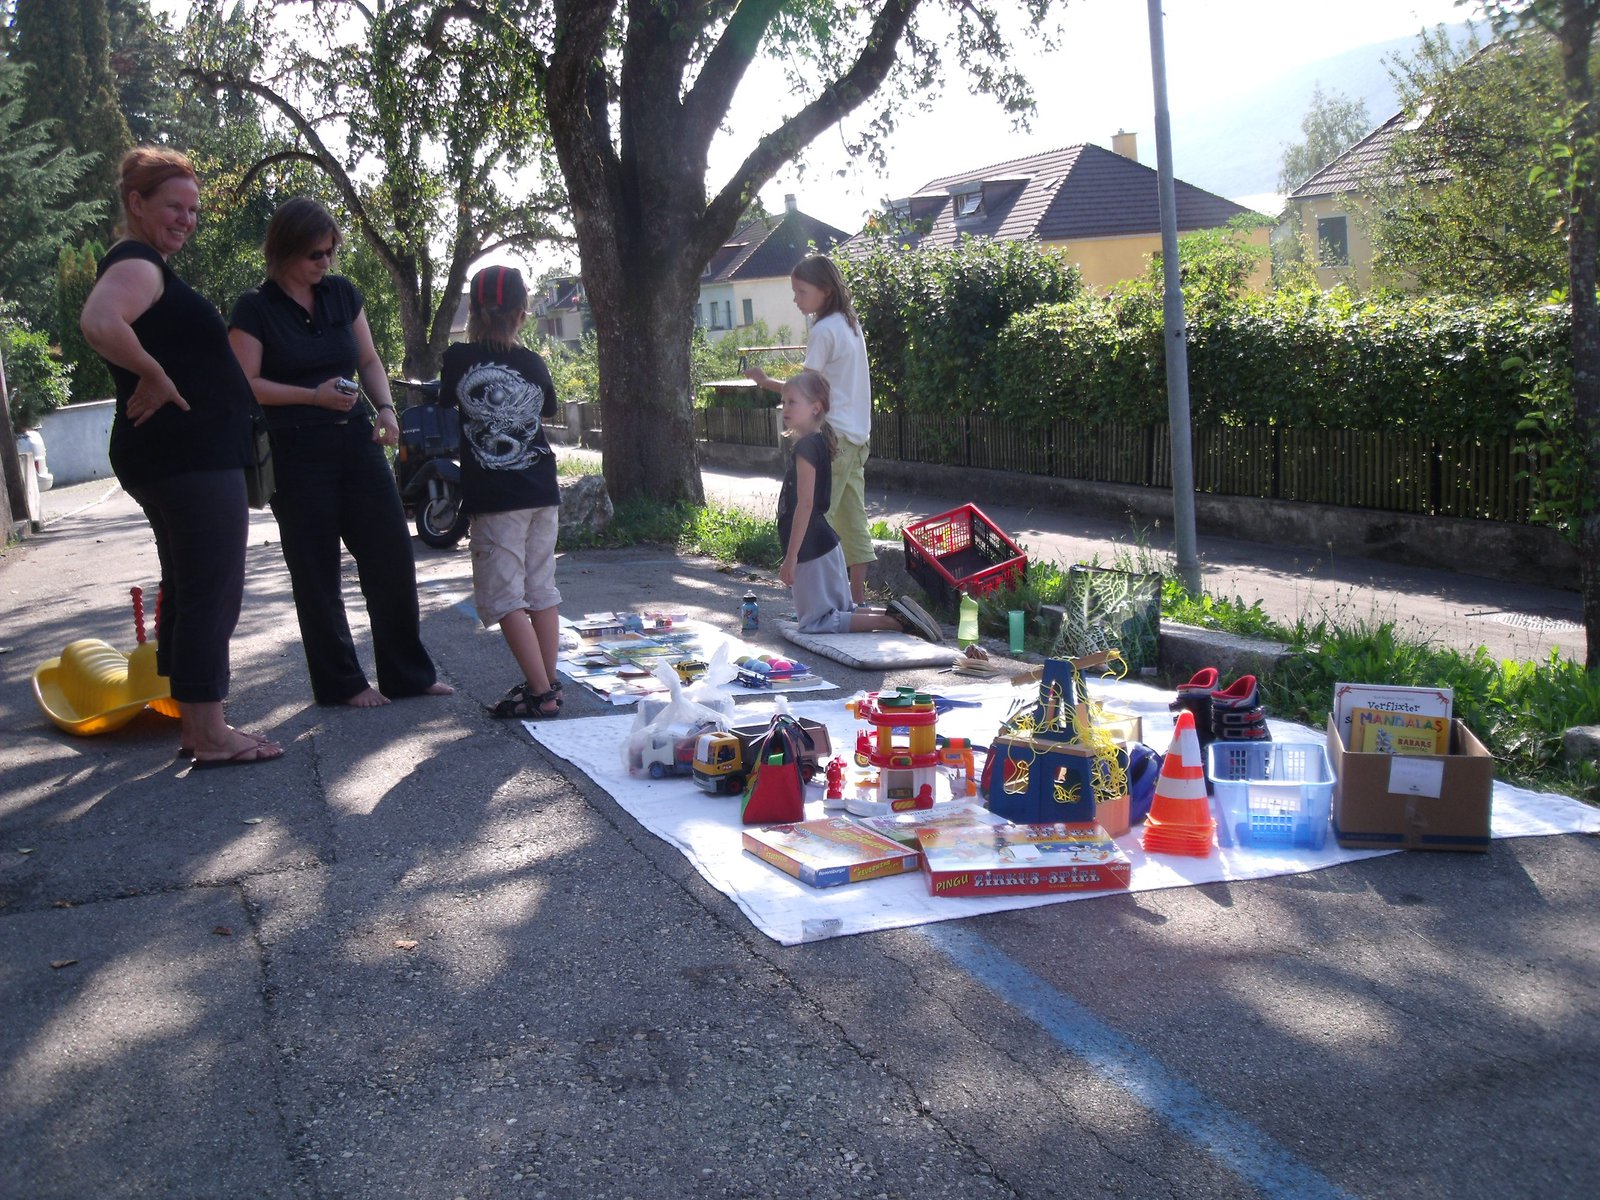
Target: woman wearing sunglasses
[[303, 340]]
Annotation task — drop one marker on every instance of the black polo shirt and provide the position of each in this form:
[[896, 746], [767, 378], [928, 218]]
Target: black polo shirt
[[303, 349]]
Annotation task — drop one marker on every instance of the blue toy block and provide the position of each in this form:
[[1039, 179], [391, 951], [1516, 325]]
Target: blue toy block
[[1060, 783]]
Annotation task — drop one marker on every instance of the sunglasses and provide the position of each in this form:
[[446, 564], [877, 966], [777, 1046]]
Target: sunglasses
[[322, 255]]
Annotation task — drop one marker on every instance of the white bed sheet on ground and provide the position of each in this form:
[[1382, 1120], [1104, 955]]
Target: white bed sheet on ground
[[710, 640], [706, 828]]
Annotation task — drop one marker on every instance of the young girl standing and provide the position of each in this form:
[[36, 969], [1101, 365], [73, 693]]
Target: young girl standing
[[813, 562], [508, 484], [837, 349]]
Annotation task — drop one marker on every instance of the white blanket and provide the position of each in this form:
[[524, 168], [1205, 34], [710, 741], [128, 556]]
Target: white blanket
[[881, 651], [707, 830]]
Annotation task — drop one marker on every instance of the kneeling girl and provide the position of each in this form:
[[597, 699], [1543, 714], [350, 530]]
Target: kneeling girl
[[813, 562]]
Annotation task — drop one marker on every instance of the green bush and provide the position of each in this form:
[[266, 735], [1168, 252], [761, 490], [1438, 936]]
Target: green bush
[[1298, 359], [75, 279], [1005, 329], [35, 382], [932, 316], [576, 373]]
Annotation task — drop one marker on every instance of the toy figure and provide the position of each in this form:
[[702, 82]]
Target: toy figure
[[835, 792]]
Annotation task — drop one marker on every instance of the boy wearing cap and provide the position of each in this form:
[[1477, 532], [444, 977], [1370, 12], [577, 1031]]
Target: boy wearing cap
[[508, 484]]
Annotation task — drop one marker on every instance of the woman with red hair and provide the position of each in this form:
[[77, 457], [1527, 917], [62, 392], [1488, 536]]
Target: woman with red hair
[[180, 441]]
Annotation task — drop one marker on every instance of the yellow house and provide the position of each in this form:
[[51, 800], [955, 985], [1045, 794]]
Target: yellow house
[[747, 279], [1325, 211], [1100, 207]]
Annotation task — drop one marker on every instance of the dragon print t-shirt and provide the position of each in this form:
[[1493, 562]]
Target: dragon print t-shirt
[[505, 397]]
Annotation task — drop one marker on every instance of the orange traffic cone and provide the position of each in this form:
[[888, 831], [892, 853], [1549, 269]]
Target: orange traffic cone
[[1180, 820]]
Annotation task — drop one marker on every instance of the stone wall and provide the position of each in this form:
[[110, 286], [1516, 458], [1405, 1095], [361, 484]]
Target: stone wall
[[77, 440]]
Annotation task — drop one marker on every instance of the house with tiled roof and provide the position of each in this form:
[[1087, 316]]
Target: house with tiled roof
[[1100, 206], [561, 311], [747, 279], [1324, 210]]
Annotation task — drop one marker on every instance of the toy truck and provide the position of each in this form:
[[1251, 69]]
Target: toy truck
[[667, 752], [722, 761], [718, 766]]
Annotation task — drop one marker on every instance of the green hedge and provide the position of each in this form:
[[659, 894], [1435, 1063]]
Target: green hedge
[[933, 317], [75, 279], [1005, 330]]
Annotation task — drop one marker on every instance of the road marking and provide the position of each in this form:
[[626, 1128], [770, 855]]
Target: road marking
[[1247, 1151]]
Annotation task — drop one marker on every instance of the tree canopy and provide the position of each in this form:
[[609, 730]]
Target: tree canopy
[[68, 44], [1460, 202], [426, 130], [1332, 124], [37, 179]]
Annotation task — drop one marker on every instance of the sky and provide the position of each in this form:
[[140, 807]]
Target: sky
[[1096, 81]]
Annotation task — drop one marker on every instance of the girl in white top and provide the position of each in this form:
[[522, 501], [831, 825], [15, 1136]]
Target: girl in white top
[[837, 350]]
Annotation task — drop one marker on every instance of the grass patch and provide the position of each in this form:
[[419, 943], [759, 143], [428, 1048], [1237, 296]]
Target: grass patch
[[577, 464], [1518, 709], [725, 534]]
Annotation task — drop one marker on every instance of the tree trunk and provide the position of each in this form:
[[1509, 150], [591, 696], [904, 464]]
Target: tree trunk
[[16, 487], [1576, 29], [639, 211], [646, 410]]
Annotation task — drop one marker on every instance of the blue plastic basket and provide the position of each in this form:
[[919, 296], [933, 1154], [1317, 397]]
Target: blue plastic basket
[[1270, 794]]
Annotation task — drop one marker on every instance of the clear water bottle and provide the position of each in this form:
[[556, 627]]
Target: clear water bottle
[[967, 626]]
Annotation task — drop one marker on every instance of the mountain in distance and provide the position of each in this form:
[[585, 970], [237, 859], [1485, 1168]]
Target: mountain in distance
[[1235, 148]]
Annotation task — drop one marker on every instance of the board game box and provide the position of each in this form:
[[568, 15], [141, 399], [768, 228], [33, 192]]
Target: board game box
[[1011, 860], [903, 827], [829, 852]]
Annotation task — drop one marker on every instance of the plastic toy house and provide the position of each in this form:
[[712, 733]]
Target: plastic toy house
[[907, 763]]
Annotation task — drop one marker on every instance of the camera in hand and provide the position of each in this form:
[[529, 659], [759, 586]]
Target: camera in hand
[[348, 387]]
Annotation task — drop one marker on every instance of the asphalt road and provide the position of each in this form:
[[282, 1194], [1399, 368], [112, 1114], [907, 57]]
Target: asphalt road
[[416, 958]]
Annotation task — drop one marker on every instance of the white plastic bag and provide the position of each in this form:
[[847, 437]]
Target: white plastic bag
[[661, 741]]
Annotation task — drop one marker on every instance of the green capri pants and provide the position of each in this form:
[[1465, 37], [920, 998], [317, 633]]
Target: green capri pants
[[848, 512]]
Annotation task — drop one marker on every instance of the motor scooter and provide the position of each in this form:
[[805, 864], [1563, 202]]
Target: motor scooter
[[427, 465]]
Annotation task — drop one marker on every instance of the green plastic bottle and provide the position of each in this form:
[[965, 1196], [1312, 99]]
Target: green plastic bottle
[[967, 627]]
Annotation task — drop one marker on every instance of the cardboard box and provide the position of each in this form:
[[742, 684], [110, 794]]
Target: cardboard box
[[1413, 801]]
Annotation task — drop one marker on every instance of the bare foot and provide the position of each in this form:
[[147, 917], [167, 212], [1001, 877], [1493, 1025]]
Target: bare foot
[[439, 689], [258, 739], [369, 697], [237, 746]]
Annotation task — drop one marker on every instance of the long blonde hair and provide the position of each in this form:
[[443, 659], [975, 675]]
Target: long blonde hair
[[820, 272], [813, 386]]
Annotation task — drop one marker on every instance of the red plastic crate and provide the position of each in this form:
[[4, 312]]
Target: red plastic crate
[[961, 551]]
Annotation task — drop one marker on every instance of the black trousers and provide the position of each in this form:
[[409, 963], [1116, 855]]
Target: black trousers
[[201, 522], [334, 485]]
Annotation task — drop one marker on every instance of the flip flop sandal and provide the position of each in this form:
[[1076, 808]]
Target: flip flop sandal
[[188, 751], [248, 757]]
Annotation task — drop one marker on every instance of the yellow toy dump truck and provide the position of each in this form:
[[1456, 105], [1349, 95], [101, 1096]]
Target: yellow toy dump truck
[[722, 760]]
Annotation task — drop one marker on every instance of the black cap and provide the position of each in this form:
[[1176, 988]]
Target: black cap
[[499, 288]]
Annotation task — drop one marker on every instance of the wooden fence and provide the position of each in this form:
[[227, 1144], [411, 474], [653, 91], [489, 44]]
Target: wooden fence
[[1387, 470]]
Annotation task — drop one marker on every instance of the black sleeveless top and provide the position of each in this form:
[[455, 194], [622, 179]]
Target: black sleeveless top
[[184, 333]]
